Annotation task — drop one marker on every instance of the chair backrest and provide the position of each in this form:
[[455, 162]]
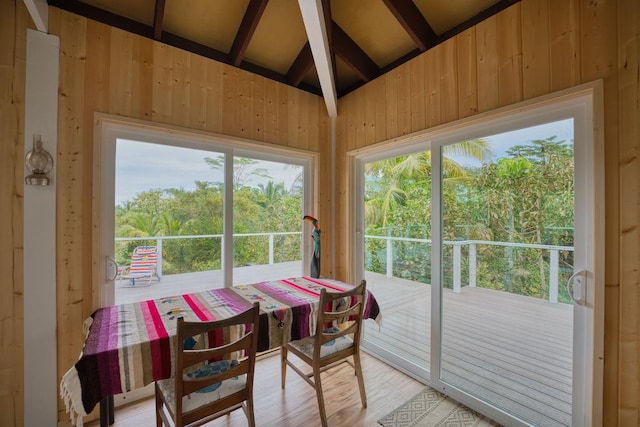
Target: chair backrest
[[230, 339], [340, 308], [144, 261]]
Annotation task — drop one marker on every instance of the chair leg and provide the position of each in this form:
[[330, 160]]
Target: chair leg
[[283, 365], [358, 368], [158, 408], [248, 410], [318, 387]]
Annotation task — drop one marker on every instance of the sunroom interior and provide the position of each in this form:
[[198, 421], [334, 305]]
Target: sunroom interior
[[526, 59]]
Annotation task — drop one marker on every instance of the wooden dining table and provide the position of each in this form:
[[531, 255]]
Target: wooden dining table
[[129, 346]]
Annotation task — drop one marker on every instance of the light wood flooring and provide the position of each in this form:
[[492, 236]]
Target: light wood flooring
[[296, 405]]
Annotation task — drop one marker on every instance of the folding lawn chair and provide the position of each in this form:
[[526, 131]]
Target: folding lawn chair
[[143, 267]]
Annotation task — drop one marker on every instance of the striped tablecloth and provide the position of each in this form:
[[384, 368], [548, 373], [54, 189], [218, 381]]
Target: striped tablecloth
[[130, 345]]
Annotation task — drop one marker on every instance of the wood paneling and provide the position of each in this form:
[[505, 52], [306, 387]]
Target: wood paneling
[[104, 69], [628, 65], [14, 20], [533, 48]]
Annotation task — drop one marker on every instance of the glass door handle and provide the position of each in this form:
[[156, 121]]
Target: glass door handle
[[576, 286], [111, 267]]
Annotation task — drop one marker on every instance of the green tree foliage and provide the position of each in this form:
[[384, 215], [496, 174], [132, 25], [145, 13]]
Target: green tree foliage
[[524, 197], [265, 208]]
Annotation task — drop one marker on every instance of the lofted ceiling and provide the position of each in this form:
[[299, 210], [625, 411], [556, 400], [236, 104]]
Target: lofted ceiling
[[327, 47]]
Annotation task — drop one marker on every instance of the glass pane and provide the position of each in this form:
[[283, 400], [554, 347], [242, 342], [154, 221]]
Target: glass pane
[[169, 198], [397, 254], [267, 220], [508, 227]]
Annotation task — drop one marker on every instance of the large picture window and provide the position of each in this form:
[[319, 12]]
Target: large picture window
[[197, 211]]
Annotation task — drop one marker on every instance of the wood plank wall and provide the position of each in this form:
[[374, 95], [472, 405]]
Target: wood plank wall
[[104, 69], [533, 48], [14, 21]]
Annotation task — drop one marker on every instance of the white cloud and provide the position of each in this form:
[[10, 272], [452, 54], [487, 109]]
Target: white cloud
[[142, 166]]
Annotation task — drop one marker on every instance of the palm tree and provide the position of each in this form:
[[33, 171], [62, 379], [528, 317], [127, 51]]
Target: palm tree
[[388, 180]]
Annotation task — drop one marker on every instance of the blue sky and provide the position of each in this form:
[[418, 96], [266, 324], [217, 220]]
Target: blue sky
[[142, 166], [563, 130]]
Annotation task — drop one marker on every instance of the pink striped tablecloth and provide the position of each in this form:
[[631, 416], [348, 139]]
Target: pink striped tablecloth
[[130, 345]]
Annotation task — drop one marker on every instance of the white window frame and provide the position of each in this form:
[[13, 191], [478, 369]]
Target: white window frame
[[584, 104], [111, 128]]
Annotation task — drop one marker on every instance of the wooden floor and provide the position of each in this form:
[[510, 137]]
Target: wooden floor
[[296, 405], [513, 352]]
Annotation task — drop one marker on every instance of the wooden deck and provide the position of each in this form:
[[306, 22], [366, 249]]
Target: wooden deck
[[514, 351]]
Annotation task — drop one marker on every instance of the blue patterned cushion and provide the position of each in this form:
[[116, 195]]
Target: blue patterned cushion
[[211, 369], [207, 394], [305, 345]]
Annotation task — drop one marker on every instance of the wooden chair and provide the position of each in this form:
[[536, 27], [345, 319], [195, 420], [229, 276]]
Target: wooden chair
[[331, 345], [210, 380]]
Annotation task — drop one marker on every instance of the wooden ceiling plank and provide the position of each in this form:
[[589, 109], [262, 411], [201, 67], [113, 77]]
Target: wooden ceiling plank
[[413, 22], [101, 15], [487, 13], [300, 66], [247, 28], [314, 23], [158, 18], [349, 51]]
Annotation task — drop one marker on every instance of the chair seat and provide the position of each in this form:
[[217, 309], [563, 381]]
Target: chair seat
[[208, 394], [337, 345], [305, 345]]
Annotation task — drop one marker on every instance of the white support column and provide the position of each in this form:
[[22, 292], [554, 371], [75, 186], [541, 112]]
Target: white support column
[[472, 265], [456, 268], [553, 275], [41, 117], [389, 257], [270, 248], [159, 264]]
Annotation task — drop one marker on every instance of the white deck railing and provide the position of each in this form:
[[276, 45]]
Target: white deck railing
[[554, 258], [160, 239]]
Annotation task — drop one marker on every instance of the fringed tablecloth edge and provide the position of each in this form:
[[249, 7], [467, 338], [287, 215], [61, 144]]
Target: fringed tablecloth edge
[[69, 391]]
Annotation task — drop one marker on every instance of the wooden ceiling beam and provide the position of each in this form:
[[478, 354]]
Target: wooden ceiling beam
[[411, 19], [301, 65], [39, 11], [349, 51], [313, 17], [304, 61], [247, 28], [158, 19], [328, 20]]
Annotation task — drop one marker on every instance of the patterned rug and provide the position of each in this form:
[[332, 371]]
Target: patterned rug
[[430, 408]]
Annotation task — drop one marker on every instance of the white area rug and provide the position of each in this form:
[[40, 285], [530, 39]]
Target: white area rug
[[430, 408]]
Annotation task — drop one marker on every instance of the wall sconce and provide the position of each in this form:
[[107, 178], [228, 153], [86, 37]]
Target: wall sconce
[[39, 162]]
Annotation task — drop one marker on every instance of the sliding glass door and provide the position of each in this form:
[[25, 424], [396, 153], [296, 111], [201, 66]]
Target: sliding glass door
[[268, 207], [397, 255], [507, 244], [481, 246]]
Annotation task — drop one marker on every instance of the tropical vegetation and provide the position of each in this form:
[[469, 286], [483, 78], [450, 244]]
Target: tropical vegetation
[[523, 196]]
